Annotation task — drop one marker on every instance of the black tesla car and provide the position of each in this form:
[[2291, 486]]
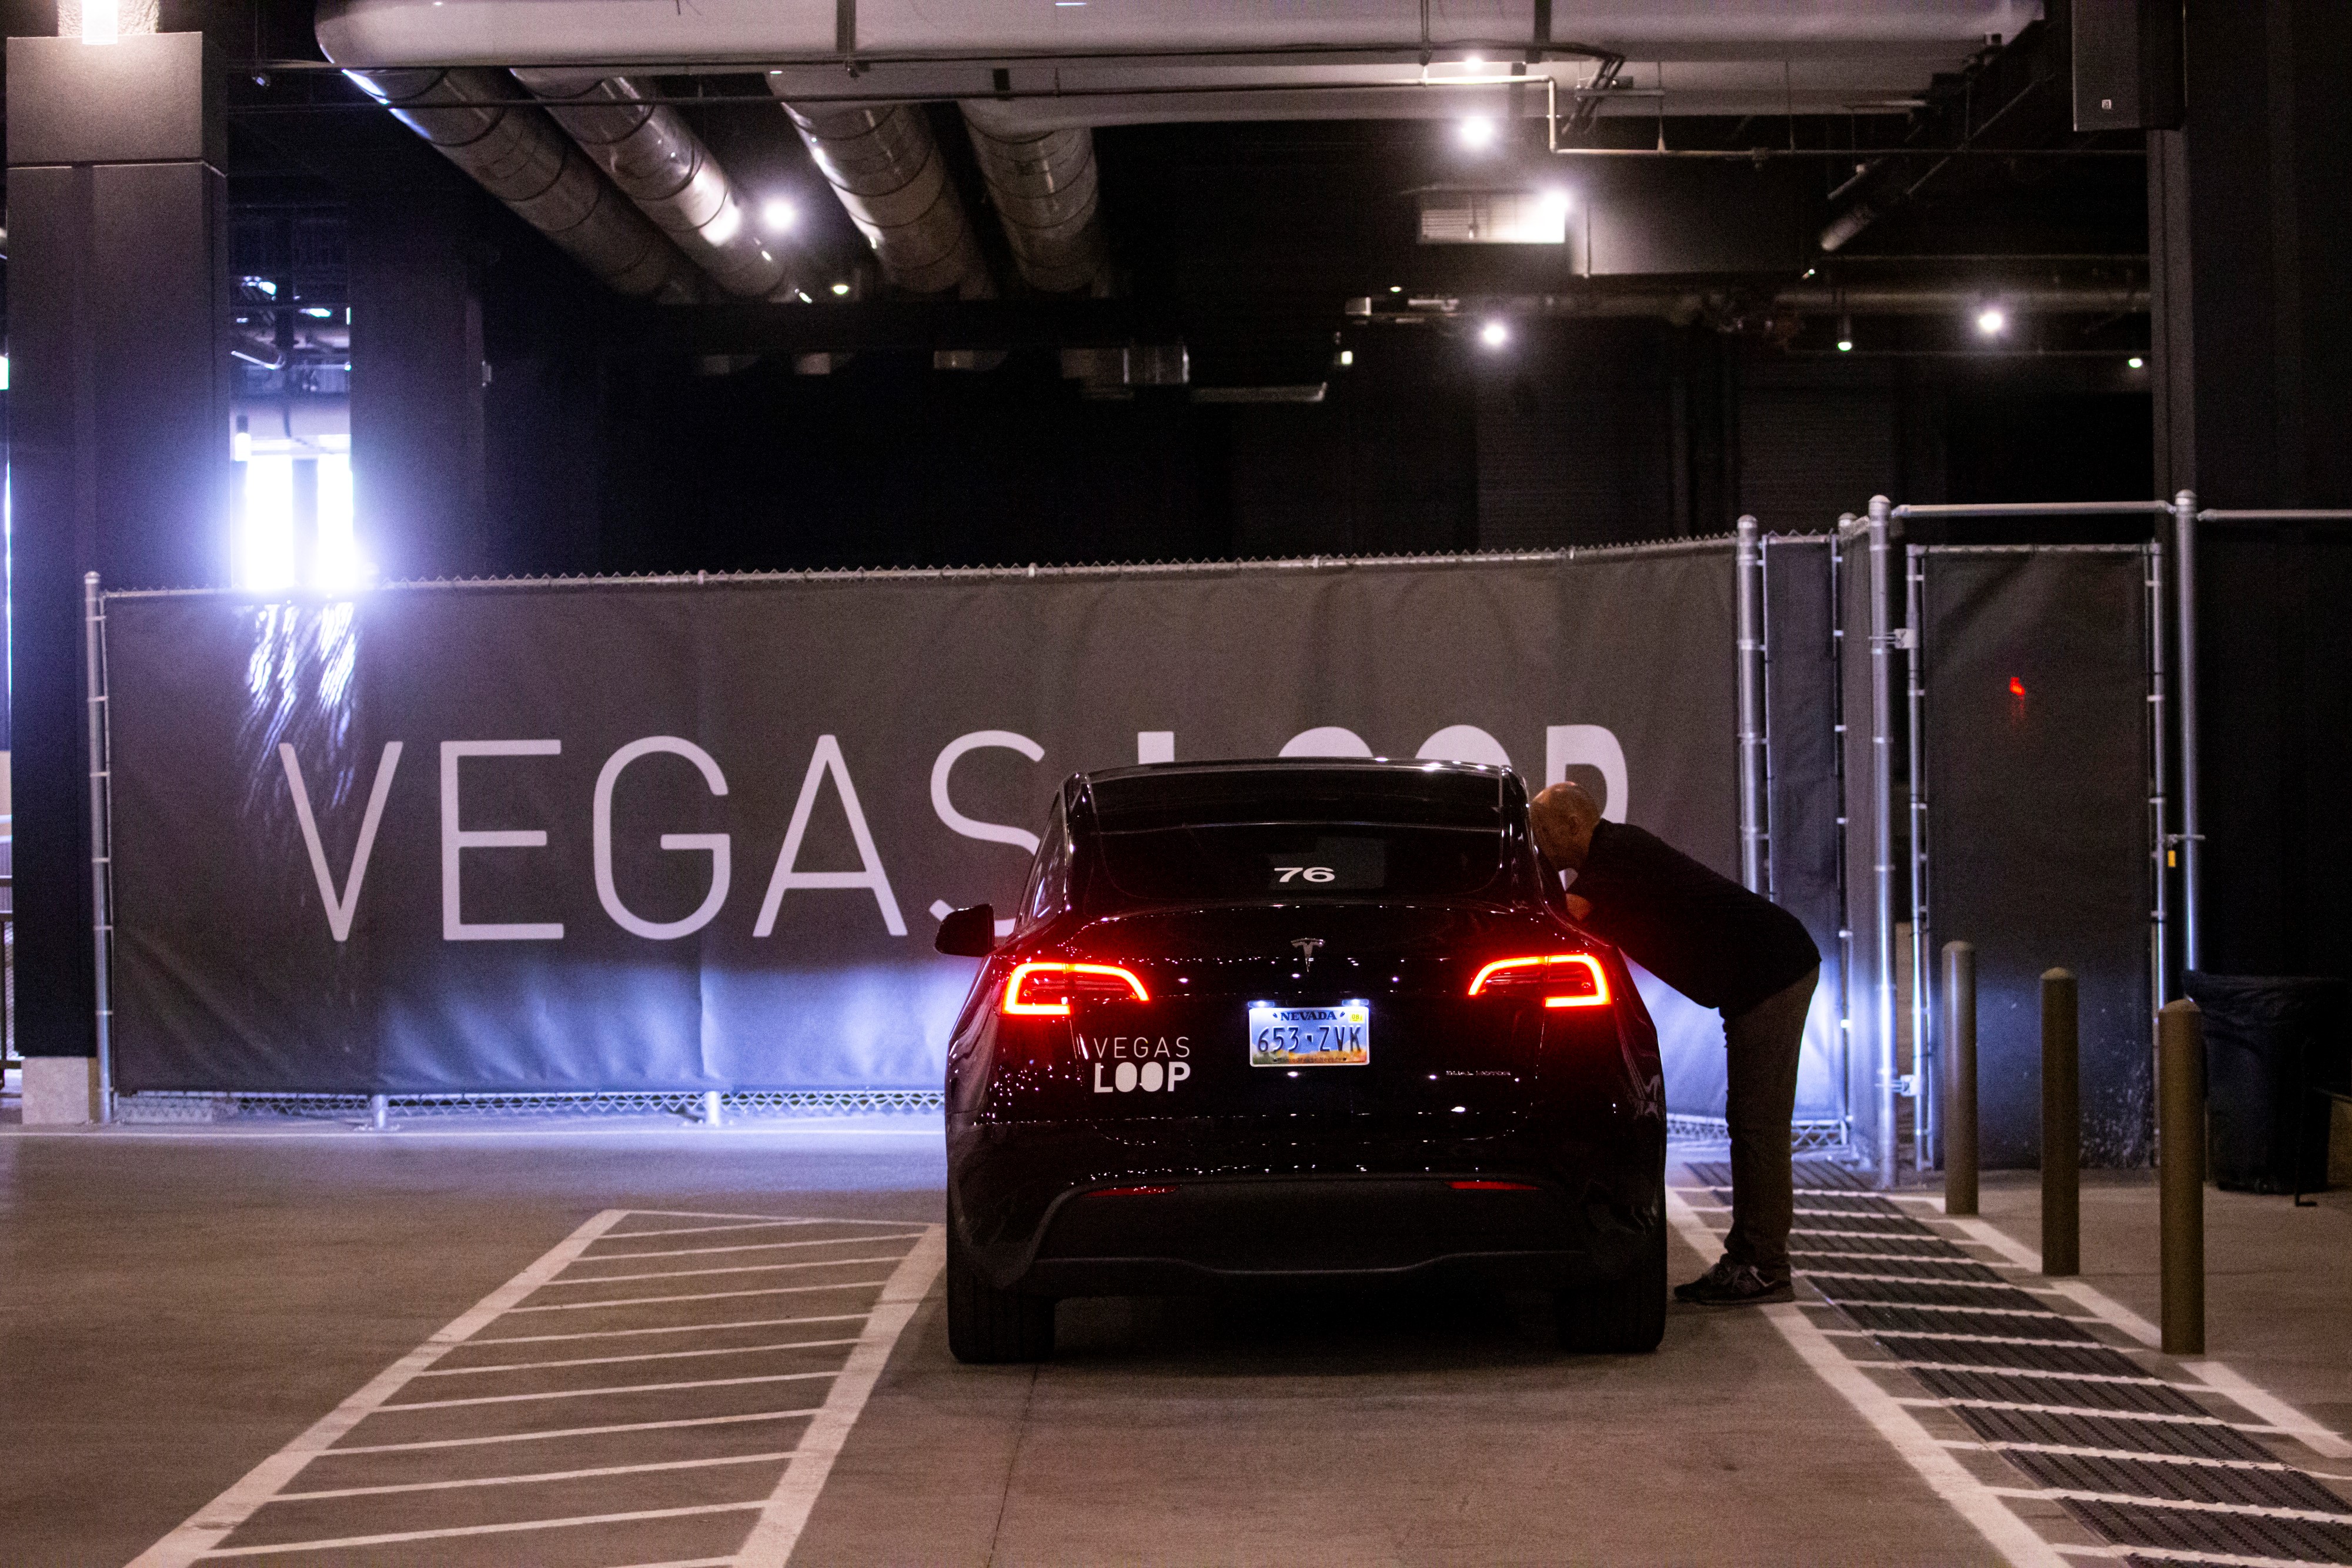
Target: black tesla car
[[1297, 1021]]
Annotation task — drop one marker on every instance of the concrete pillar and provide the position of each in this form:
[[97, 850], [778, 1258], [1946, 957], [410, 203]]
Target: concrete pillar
[[118, 412]]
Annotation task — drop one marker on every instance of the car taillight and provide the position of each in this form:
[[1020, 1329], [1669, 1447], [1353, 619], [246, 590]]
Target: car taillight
[[1563, 979], [1046, 990]]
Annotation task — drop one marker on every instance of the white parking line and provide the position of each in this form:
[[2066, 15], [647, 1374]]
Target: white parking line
[[2199, 1556], [199, 1536], [646, 1355], [772, 1539], [592, 1393], [729, 1268], [568, 1432], [707, 1296], [2096, 1412], [394, 1538], [540, 1476], [2138, 1455], [747, 1246], [2008, 1536], [737, 1225], [2031, 1372], [671, 1328]]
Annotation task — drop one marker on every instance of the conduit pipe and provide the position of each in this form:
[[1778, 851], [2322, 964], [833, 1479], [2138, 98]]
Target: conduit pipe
[[520, 157], [1047, 193], [658, 161], [885, 165]]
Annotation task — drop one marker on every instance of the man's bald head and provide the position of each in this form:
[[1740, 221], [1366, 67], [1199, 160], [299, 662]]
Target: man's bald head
[[1562, 817]]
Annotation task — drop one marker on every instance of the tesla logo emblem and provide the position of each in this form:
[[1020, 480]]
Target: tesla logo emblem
[[1306, 946]]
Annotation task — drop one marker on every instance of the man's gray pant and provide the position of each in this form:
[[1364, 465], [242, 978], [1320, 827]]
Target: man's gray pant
[[1761, 1046]]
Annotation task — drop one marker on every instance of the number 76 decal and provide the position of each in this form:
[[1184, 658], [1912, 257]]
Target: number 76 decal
[[1307, 873]]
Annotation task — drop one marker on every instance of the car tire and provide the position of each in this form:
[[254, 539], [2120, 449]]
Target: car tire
[[1619, 1317], [986, 1325]]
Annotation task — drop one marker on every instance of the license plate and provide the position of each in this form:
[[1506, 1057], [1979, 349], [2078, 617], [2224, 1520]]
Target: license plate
[[1337, 1036]]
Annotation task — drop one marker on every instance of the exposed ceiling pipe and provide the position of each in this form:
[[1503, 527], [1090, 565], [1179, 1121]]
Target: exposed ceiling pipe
[[658, 163], [1047, 195], [520, 158], [980, 38], [1684, 304], [885, 165]]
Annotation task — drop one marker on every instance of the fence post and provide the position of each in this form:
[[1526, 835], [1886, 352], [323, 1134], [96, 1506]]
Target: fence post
[[1882, 836], [2061, 1127], [1751, 566], [2180, 1168], [2192, 837], [101, 870], [1960, 1078]]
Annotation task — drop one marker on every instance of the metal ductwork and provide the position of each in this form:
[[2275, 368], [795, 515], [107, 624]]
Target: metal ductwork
[[658, 161], [520, 157], [885, 165], [1047, 195]]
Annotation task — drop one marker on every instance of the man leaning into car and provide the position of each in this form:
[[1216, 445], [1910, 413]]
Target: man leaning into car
[[1723, 947]]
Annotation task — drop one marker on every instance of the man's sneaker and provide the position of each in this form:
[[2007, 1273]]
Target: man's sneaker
[[1730, 1284]]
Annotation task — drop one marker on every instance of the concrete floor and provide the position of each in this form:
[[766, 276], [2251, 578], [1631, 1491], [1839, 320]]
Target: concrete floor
[[180, 1306]]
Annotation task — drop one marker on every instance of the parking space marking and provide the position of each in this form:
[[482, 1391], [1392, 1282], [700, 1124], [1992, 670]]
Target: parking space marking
[[759, 1246], [730, 1269], [2015, 1540], [633, 1474]]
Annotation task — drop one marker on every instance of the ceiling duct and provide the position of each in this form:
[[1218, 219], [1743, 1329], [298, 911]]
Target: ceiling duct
[[520, 157], [885, 165], [1047, 195], [658, 161]]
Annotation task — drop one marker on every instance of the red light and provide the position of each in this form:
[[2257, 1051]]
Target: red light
[[2016, 686], [1045, 990], [1494, 1187], [1130, 1191], [1574, 979]]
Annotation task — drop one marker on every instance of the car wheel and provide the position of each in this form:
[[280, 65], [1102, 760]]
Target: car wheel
[[1620, 1317], [987, 1325]]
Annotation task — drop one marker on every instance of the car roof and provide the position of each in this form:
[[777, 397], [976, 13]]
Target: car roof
[[1388, 765]]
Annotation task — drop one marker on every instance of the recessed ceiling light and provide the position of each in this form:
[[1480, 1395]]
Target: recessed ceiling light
[[841, 289], [777, 214], [1992, 321], [1477, 132], [1495, 334], [2136, 363]]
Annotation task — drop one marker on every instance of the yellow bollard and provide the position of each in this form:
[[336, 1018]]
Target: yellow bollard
[[1959, 1078], [2180, 1172], [2061, 1127]]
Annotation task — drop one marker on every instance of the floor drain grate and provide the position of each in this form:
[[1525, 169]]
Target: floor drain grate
[[2037, 1388], [2086, 1361], [2179, 1483], [2181, 1440], [2195, 1530]]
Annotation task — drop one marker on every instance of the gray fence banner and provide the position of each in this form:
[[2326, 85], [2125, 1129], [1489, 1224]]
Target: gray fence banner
[[695, 835], [2036, 741]]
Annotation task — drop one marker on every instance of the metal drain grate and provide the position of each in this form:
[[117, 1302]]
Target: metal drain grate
[[2179, 1483], [1942, 1270], [2088, 1362], [2196, 1530], [2121, 1433], [2132, 1456], [2038, 1388], [1878, 1317]]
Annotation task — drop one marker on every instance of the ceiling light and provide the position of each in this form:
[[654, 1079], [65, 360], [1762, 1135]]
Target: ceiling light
[[1396, 288], [1992, 321], [1845, 334], [1495, 334], [2136, 363], [1347, 357], [841, 289], [99, 21], [777, 214], [1556, 200], [1477, 132]]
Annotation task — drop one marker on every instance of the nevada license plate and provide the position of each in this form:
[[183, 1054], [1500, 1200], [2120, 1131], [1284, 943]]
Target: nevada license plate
[[1339, 1035]]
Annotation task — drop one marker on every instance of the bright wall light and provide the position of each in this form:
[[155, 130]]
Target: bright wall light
[[2136, 363], [100, 23], [265, 526], [1992, 321], [841, 289], [777, 214], [1846, 335], [1477, 133], [1495, 334], [337, 554]]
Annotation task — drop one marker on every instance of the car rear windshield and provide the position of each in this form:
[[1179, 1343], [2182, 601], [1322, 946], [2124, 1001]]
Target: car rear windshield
[[1284, 834]]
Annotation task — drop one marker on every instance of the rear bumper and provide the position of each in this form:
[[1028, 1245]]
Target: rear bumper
[[1038, 1207]]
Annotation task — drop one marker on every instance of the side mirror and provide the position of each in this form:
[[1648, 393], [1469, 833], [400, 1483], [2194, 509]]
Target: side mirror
[[968, 932]]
